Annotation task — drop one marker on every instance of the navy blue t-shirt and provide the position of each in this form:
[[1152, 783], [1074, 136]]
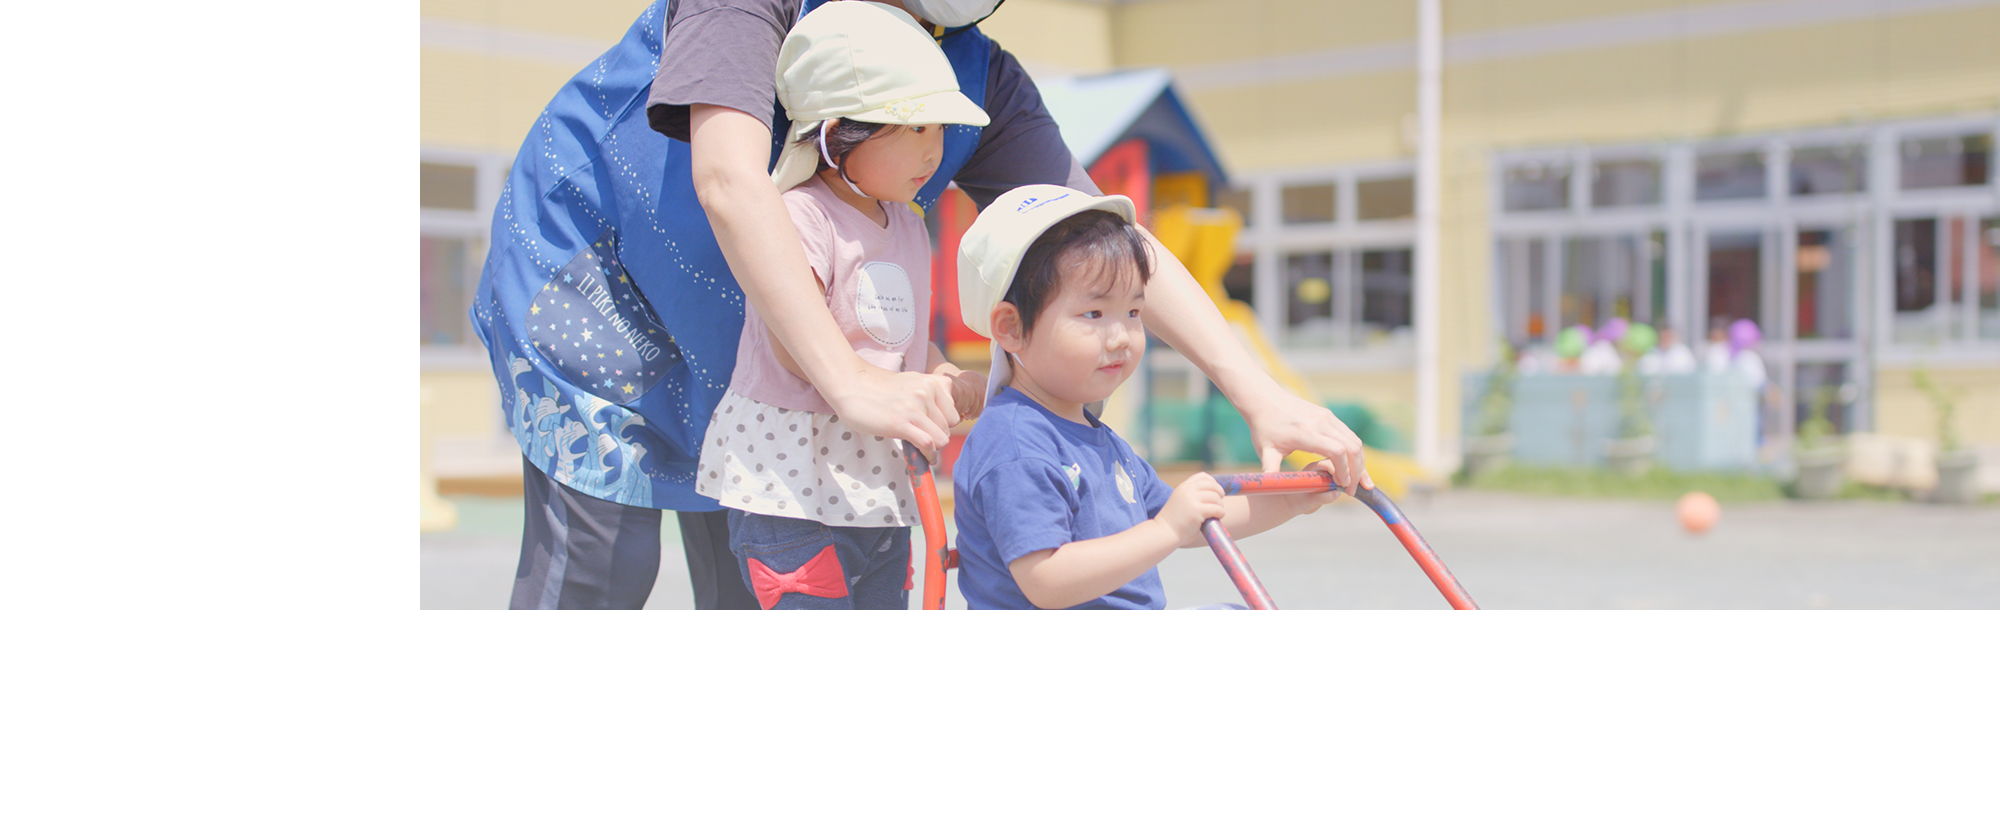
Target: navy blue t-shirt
[[1030, 480]]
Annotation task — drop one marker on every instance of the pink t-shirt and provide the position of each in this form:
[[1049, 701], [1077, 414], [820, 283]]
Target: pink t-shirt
[[878, 288]]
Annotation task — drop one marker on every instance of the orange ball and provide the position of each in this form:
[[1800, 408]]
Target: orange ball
[[1698, 512]]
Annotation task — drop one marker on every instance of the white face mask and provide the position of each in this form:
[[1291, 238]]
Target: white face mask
[[952, 14]]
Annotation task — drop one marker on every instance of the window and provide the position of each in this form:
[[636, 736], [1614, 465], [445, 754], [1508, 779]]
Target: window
[[1309, 306], [1795, 232], [1385, 298], [1623, 183], [448, 186], [1735, 278], [1239, 282], [1308, 204], [1238, 198], [1612, 276], [1825, 285], [1536, 186], [1327, 267], [1721, 176], [1349, 299], [1926, 310], [1956, 161], [454, 211], [1819, 170], [1377, 199], [1524, 293], [1947, 281], [1989, 280], [448, 281]]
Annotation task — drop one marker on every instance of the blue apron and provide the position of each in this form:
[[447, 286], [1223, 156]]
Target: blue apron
[[609, 313]]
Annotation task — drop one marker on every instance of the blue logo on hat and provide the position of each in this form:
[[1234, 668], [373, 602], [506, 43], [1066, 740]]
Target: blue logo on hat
[[1033, 202]]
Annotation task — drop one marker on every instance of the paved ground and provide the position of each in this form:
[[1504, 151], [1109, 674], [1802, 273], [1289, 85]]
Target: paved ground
[[1509, 551]]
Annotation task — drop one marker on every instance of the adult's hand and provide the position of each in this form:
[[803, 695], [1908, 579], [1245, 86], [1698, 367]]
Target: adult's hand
[[908, 406], [1282, 423], [729, 151]]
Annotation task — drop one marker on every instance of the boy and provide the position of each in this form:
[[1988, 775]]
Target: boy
[[1054, 510]]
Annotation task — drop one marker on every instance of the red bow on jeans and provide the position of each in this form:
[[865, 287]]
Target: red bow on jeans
[[820, 576]]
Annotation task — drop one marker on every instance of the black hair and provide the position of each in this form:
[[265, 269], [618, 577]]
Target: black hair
[[841, 139], [1103, 239]]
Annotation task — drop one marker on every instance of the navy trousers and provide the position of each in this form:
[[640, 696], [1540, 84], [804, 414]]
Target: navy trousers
[[578, 551]]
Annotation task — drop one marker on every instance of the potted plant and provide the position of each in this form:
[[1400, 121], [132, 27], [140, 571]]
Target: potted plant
[[1821, 460], [1631, 452], [1492, 442], [1957, 467]]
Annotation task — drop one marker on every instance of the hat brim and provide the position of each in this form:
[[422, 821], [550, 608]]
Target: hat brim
[[943, 107]]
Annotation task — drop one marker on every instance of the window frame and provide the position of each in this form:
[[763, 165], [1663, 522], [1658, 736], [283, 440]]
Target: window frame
[[1868, 213], [1267, 240], [473, 226]]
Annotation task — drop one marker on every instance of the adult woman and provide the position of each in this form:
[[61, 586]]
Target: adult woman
[[611, 301]]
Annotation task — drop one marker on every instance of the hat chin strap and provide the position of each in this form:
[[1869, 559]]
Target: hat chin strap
[[829, 161]]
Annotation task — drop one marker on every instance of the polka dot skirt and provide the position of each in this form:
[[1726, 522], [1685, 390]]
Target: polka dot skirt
[[762, 459]]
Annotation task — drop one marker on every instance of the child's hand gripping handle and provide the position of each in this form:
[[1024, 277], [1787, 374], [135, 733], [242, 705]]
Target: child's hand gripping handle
[[936, 556], [1238, 568], [1309, 482]]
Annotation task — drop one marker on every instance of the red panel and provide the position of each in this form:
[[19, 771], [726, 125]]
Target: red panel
[[1126, 170], [955, 213]]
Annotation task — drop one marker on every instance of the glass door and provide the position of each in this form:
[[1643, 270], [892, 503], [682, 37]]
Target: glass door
[[1818, 348], [1736, 281]]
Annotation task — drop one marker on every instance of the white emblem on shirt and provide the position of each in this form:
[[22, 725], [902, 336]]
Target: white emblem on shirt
[[1075, 473], [884, 303], [1125, 485]]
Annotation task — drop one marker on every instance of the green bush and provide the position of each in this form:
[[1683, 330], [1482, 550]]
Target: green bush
[[1656, 483], [1232, 433]]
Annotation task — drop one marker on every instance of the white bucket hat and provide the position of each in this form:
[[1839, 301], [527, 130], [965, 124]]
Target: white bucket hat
[[990, 253], [865, 62]]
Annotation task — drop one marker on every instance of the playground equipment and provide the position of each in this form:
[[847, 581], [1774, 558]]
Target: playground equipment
[[1204, 240], [940, 556]]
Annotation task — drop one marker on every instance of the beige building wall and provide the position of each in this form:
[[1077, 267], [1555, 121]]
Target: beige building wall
[[1903, 409], [1901, 66], [489, 66], [1054, 38], [1291, 84]]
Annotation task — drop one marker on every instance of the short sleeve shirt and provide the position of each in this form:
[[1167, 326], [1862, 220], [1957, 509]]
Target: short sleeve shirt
[[878, 287], [1030, 480]]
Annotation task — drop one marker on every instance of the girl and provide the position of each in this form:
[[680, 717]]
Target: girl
[[819, 514]]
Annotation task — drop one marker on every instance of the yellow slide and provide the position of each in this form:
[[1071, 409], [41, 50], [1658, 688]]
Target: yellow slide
[[1204, 240]]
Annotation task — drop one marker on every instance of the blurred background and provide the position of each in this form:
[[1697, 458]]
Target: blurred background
[[1538, 253]]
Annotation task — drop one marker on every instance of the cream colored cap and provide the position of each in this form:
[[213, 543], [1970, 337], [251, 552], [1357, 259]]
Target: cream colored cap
[[865, 62], [991, 250]]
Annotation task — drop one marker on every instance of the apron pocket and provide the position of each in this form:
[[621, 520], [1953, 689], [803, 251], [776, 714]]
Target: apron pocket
[[594, 327]]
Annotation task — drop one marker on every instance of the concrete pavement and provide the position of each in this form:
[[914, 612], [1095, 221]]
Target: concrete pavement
[[1510, 552]]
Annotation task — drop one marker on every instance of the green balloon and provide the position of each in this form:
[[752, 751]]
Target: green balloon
[[1640, 338], [1569, 344]]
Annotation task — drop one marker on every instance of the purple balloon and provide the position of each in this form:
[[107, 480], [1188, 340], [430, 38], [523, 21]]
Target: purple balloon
[[1613, 330], [1744, 334]]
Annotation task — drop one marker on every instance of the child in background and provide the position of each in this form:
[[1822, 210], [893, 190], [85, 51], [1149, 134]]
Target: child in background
[[1054, 510], [819, 515]]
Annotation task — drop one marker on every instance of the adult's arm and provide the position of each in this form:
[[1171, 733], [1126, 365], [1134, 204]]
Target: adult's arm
[[1023, 146], [1180, 312], [729, 150]]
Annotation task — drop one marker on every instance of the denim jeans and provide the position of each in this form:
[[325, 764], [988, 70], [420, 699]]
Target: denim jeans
[[799, 564]]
